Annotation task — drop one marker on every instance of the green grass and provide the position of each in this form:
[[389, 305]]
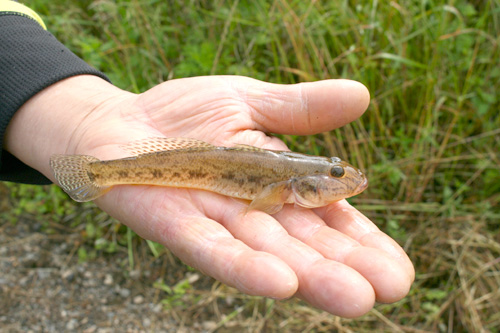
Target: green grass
[[429, 142]]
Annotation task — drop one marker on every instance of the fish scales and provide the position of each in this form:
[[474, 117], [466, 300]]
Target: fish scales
[[241, 173], [268, 178]]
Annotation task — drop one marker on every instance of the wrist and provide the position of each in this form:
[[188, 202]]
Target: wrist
[[48, 122]]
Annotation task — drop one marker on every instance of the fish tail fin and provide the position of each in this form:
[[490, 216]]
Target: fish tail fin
[[72, 174]]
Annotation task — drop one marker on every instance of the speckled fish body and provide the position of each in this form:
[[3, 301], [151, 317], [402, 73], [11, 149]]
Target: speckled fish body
[[268, 178]]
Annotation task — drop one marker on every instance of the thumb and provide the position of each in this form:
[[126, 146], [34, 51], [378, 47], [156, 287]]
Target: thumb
[[306, 108]]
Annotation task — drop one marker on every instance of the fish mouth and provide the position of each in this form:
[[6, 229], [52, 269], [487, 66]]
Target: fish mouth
[[361, 187]]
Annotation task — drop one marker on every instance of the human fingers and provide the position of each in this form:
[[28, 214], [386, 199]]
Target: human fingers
[[304, 108], [394, 283], [172, 218], [326, 284], [388, 276], [364, 231], [238, 103]]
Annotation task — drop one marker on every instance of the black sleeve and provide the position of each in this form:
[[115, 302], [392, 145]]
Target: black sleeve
[[31, 59]]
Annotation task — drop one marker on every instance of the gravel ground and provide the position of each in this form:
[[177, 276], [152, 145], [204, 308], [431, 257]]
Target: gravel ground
[[44, 288]]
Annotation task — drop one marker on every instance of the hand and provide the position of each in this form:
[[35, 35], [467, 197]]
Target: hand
[[332, 257]]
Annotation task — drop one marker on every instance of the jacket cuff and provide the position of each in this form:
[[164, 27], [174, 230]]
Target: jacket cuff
[[31, 59]]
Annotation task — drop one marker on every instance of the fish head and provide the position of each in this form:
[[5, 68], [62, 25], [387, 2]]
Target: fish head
[[341, 181]]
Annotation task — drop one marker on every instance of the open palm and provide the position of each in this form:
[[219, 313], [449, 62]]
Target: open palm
[[333, 257]]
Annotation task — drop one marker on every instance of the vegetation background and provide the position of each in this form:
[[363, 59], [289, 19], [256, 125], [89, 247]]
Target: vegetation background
[[429, 141]]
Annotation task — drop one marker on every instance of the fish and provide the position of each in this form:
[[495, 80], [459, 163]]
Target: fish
[[267, 178]]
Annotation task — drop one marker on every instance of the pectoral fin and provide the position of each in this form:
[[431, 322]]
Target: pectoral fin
[[272, 198]]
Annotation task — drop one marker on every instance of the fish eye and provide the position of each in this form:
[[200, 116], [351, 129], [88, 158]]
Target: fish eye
[[337, 171]]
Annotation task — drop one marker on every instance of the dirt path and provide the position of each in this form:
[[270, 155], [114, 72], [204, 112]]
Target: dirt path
[[44, 288]]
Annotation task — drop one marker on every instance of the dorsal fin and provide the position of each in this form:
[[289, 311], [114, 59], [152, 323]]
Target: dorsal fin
[[247, 147], [156, 144], [241, 146]]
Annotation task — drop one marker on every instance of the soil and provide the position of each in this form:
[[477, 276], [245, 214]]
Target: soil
[[44, 287]]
